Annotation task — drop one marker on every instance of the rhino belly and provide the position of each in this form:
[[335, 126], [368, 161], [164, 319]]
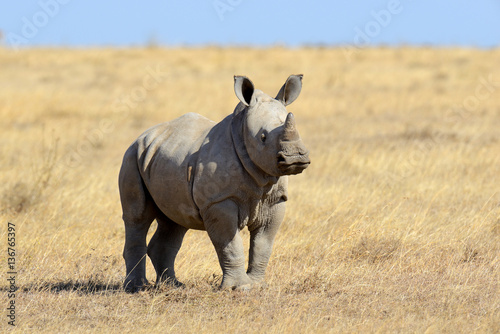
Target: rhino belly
[[171, 193], [167, 155]]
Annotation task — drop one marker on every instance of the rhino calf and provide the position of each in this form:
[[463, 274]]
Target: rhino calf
[[193, 173]]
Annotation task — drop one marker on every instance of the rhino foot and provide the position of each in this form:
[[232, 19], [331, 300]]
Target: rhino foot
[[243, 288], [171, 282], [241, 283], [135, 285]]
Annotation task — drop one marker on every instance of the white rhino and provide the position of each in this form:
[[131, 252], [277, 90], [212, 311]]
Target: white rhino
[[193, 173]]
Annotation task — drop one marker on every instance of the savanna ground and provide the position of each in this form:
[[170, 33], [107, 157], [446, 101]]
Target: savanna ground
[[395, 226]]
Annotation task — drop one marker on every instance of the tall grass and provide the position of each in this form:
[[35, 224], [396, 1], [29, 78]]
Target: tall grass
[[395, 226]]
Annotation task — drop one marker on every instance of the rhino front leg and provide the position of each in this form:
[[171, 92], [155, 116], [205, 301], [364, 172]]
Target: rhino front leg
[[221, 223], [163, 249], [261, 244]]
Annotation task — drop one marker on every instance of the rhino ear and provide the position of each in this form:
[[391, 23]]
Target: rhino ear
[[290, 90], [244, 89]]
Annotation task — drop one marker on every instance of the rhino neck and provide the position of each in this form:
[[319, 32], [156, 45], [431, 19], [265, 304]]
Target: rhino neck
[[261, 178]]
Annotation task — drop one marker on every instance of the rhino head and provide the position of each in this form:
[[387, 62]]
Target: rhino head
[[268, 131]]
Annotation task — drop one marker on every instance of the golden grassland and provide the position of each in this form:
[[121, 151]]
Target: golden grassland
[[395, 226]]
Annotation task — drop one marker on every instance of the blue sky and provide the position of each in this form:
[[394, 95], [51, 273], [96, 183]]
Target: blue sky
[[250, 22]]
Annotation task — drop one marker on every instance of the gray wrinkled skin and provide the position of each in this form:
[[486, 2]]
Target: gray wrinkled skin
[[193, 173]]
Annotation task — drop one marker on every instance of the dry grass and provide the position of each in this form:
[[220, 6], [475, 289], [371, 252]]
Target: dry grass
[[395, 227]]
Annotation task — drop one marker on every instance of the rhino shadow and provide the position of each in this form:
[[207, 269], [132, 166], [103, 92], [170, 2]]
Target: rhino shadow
[[87, 287]]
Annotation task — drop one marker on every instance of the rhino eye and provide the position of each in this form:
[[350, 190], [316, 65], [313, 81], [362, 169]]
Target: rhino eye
[[263, 137]]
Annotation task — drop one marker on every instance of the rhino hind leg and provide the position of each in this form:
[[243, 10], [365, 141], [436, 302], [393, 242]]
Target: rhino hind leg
[[139, 211], [134, 254], [163, 249]]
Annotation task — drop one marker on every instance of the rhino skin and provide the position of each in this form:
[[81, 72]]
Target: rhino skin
[[193, 173]]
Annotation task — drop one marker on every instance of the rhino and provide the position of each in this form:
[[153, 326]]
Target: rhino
[[193, 173]]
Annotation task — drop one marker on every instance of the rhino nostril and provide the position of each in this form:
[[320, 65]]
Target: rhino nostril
[[281, 158]]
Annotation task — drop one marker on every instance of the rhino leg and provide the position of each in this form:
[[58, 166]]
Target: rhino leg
[[221, 223], [261, 244], [134, 254], [163, 249], [139, 212]]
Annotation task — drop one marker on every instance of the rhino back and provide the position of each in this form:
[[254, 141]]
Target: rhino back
[[166, 155]]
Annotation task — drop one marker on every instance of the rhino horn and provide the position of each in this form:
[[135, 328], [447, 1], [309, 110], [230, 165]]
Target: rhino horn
[[290, 133]]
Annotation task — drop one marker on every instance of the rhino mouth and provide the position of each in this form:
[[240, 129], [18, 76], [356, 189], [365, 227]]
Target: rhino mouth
[[290, 164]]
